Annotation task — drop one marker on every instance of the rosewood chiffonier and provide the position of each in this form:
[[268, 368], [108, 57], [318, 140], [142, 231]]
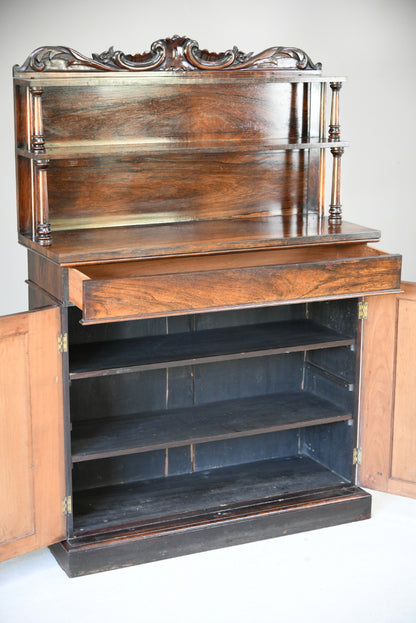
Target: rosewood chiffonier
[[188, 375]]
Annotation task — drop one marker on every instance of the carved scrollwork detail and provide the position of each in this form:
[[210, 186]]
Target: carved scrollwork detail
[[115, 60], [58, 59], [272, 58], [171, 54]]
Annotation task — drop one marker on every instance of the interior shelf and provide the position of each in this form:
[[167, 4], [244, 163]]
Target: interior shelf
[[87, 149], [179, 349], [198, 493], [106, 437]]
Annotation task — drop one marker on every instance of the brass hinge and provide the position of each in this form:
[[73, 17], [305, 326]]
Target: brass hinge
[[67, 505], [357, 455], [63, 343], [362, 310]]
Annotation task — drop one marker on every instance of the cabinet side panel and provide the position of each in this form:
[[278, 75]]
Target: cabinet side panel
[[47, 275], [23, 165], [24, 195], [38, 298], [17, 517], [21, 101]]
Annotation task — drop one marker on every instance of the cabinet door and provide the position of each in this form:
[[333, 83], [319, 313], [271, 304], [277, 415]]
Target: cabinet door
[[32, 476], [388, 397]]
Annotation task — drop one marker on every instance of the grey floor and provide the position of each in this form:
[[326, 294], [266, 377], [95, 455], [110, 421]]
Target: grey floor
[[353, 573]]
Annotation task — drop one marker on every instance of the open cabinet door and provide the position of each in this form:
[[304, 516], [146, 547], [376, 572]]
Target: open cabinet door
[[32, 476], [388, 397]]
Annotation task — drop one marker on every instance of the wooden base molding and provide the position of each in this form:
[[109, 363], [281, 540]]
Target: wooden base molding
[[267, 520]]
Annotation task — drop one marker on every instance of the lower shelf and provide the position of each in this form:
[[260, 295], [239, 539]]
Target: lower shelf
[[280, 515], [158, 500]]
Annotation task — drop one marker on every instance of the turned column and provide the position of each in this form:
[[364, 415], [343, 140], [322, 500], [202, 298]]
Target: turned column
[[43, 228], [335, 207], [322, 152], [37, 146]]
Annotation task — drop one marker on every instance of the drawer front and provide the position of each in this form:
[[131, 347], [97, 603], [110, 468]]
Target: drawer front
[[197, 291]]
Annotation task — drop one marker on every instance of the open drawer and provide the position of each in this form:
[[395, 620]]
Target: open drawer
[[174, 286]]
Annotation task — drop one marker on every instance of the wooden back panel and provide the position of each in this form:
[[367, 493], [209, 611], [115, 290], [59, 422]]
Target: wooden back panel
[[186, 110], [197, 148], [186, 187], [178, 185]]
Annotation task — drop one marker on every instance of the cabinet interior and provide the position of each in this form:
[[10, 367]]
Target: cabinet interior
[[191, 415]]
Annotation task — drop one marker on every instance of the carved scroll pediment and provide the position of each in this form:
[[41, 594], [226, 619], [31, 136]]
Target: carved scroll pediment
[[172, 54]]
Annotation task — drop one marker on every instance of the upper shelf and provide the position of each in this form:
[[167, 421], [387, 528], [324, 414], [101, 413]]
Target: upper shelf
[[142, 148], [207, 346]]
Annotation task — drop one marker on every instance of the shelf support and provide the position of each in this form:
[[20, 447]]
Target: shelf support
[[43, 228], [322, 152], [37, 139], [335, 207], [334, 126], [37, 146]]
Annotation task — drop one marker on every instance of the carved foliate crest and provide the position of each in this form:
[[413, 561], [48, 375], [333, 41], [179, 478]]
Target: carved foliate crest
[[172, 54]]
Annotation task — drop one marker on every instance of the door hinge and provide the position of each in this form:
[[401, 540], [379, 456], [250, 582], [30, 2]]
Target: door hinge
[[63, 343], [362, 310], [67, 505], [357, 455]]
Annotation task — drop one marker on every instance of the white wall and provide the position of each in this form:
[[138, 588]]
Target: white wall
[[370, 41]]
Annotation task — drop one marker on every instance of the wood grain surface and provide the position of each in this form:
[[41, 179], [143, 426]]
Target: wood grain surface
[[404, 413], [184, 238], [388, 414], [32, 476], [201, 111], [203, 284]]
